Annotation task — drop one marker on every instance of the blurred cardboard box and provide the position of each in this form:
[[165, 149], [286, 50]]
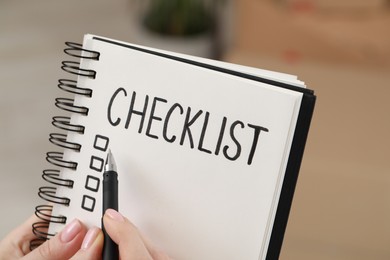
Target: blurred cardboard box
[[344, 5], [341, 206], [339, 5], [306, 31]]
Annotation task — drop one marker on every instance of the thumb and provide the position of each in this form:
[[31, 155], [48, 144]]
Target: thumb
[[62, 246], [125, 235], [92, 245]]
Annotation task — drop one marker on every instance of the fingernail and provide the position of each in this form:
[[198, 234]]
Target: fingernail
[[70, 231], [90, 238], [115, 215]]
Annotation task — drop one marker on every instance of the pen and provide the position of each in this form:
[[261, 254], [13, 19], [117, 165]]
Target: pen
[[110, 200]]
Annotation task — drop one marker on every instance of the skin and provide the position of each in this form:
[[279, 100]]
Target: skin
[[75, 241]]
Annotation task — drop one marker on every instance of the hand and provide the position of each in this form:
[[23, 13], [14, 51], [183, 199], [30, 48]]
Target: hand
[[129, 240], [72, 242], [75, 242]]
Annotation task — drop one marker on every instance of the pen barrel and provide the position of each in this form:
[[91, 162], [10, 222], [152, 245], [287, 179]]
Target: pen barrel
[[110, 200], [110, 191]]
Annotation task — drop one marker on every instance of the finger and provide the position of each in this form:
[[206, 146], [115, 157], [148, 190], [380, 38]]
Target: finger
[[62, 246], [92, 245], [157, 254], [17, 242], [153, 250], [125, 235]]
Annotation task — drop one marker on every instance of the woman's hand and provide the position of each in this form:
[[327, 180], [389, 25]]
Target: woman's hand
[[76, 242], [129, 240]]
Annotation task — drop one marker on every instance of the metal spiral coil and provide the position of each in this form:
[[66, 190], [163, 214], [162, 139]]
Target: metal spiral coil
[[39, 229], [60, 140], [44, 212], [67, 104], [52, 176], [73, 67], [63, 122], [56, 158], [76, 50], [70, 86]]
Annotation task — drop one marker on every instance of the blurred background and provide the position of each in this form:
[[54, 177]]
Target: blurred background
[[341, 49]]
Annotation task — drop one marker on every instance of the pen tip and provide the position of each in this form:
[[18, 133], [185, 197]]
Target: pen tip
[[110, 162]]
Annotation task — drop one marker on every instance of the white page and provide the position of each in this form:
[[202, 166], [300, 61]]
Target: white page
[[192, 204], [272, 75]]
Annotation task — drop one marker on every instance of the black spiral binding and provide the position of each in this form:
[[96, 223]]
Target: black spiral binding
[[52, 176]]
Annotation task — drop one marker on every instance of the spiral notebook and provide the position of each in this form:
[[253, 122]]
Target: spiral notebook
[[208, 152]]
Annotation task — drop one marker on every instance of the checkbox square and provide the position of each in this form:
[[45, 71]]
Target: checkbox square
[[101, 143], [88, 203], [96, 163], [92, 183]]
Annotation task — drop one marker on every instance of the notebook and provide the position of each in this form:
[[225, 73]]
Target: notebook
[[208, 152]]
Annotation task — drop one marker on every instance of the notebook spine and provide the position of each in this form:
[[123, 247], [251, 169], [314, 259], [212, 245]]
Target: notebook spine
[[56, 159]]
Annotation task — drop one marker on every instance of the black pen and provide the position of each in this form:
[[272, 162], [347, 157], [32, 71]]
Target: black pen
[[110, 201]]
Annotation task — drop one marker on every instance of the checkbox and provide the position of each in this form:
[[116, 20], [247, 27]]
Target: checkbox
[[96, 163], [92, 183], [88, 203], [101, 143]]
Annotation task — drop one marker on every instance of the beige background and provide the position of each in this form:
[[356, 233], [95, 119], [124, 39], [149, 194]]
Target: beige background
[[341, 209]]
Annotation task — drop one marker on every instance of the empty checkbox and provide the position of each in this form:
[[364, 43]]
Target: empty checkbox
[[88, 203], [92, 183], [96, 163], [101, 143]]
